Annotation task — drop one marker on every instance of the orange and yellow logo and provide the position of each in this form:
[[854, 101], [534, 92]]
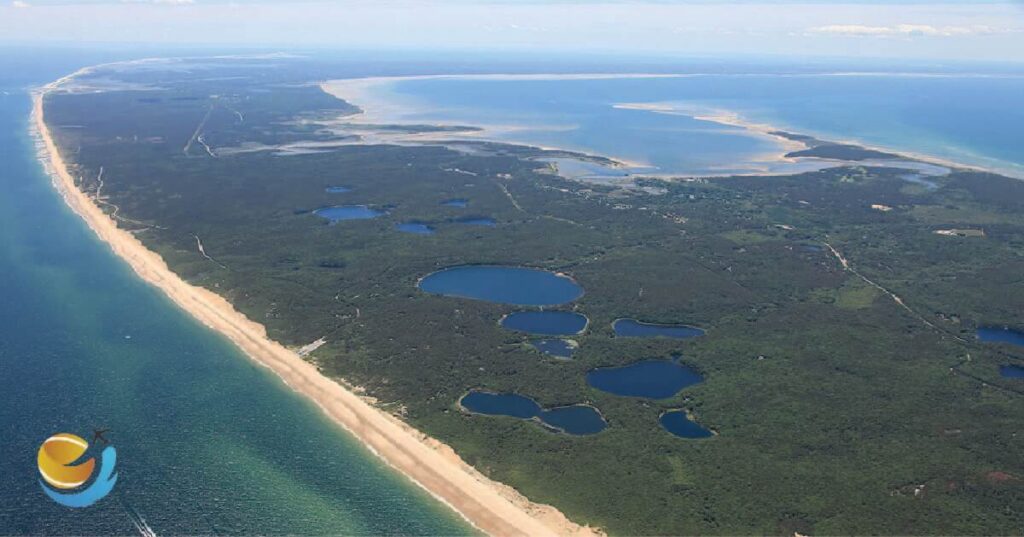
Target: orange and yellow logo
[[57, 466], [55, 458]]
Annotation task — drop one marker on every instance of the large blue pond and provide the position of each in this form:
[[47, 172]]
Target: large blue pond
[[348, 212], [654, 379], [505, 285], [501, 404], [559, 348], [545, 323], [679, 424], [574, 419], [635, 328], [993, 334]]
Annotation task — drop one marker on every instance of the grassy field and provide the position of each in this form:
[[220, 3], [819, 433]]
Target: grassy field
[[837, 410]]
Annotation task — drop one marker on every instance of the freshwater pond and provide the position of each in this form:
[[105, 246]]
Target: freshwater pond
[[575, 419], [348, 212], [518, 286], [1004, 334], [996, 334], [545, 323], [679, 424], [652, 379]]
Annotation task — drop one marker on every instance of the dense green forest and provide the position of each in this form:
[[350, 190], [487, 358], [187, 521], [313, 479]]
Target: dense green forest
[[845, 399]]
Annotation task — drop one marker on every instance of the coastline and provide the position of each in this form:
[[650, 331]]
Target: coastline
[[366, 93], [489, 506]]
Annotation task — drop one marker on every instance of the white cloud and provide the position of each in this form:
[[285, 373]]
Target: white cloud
[[20, 4], [906, 30]]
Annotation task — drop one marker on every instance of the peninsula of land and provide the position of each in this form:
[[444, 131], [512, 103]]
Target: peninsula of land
[[713, 356], [490, 506]]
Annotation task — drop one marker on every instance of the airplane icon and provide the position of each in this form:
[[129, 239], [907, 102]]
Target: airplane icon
[[97, 434]]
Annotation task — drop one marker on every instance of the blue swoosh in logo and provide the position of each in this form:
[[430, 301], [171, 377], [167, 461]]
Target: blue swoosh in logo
[[101, 487]]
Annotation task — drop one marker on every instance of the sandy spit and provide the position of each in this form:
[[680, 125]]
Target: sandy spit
[[490, 506]]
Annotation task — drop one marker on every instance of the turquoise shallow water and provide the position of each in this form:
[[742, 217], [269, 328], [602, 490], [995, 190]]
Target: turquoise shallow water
[[208, 442], [975, 120]]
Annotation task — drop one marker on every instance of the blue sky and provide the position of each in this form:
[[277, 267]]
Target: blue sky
[[913, 29]]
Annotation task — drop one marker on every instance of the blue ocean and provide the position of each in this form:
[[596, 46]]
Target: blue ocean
[[208, 442], [663, 124]]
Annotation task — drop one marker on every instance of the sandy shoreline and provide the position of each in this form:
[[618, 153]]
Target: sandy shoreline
[[492, 507]]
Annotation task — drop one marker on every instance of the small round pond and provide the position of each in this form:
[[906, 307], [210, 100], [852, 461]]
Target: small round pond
[[517, 286], [348, 212], [545, 323], [653, 379], [635, 328], [575, 419], [679, 424]]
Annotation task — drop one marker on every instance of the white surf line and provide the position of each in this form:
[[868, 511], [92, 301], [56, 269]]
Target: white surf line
[[202, 251]]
